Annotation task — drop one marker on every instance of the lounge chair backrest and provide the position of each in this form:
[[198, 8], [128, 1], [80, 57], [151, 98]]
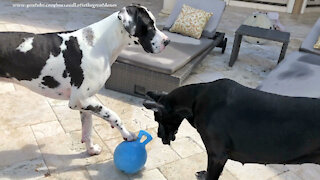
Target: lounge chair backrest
[[215, 6], [311, 39]]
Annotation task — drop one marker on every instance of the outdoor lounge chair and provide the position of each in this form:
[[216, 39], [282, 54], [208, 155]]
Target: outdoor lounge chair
[[298, 74], [136, 72]]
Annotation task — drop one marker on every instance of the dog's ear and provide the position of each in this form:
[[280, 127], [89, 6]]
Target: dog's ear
[[157, 107], [155, 95], [127, 15]]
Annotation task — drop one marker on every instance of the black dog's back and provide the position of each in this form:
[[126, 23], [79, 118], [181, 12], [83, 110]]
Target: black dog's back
[[259, 127]]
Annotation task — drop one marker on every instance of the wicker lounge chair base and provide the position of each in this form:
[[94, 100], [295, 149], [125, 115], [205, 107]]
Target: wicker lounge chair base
[[135, 80]]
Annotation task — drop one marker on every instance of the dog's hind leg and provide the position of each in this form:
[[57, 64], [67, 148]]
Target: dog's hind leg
[[86, 121]]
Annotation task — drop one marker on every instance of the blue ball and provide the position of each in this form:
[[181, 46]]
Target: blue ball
[[130, 157]]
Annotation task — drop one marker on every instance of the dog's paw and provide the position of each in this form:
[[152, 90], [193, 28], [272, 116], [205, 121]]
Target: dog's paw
[[201, 175], [130, 136], [94, 150]]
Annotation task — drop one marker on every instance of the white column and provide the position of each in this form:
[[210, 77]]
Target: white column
[[167, 7]]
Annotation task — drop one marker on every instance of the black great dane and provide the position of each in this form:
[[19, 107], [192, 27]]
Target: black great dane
[[242, 124]]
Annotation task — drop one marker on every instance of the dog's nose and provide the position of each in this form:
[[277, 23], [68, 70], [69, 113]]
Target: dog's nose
[[166, 42]]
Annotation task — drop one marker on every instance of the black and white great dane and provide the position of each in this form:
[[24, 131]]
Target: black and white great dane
[[242, 124], [74, 65]]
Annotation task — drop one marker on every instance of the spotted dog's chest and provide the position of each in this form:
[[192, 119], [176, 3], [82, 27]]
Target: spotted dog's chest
[[49, 64]]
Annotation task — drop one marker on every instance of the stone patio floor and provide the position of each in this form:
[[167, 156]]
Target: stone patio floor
[[40, 137]]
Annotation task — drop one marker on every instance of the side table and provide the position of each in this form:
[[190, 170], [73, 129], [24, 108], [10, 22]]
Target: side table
[[257, 32]]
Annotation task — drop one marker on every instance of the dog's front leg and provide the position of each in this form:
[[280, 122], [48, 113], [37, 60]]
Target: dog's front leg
[[214, 169], [86, 121], [90, 105]]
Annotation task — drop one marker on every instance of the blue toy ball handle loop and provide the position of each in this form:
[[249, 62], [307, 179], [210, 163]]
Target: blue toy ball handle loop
[[144, 133]]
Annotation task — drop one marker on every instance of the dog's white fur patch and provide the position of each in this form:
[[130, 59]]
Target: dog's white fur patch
[[26, 45]]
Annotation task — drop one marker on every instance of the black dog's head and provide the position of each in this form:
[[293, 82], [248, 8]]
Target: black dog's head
[[140, 23], [166, 115]]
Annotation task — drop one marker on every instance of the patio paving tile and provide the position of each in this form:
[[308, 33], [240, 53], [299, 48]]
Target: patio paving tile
[[6, 87], [3, 28], [159, 154], [105, 170], [30, 169], [22, 108], [14, 27], [72, 174], [64, 151], [17, 145], [186, 147], [305, 171], [286, 176], [28, 28], [153, 174], [186, 168], [187, 131], [254, 171], [70, 119]]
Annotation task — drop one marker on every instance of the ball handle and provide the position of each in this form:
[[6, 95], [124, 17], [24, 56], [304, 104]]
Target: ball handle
[[144, 133]]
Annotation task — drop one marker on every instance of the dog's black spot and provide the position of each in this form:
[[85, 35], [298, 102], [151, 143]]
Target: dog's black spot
[[50, 82], [42, 88], [59, 94], [95, 109], [135, 42], [106, 116], [65, 74], [26, 65], [129, 44], [72, 59], [88, 89]]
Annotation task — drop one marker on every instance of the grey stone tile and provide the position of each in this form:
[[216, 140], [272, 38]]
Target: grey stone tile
[[30, 169], [17, 145], [153, 174], [105, 170], [253, 171], [305, 171]]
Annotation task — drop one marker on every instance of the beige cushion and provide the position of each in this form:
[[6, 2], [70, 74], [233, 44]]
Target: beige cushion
[[191, 21], [317, 44], [178, 53], [215, 6]]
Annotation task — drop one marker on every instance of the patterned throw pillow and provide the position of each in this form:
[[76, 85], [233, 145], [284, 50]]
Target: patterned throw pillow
[[317, 45], [191, 21]]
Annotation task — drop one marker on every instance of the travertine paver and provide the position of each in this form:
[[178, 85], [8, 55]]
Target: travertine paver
[[186, 147], [70, 119], [64, 151], [286, 176], [254, 171], [306, 171], [80, 173], [105, 170], [17, 109], [6, 87], [186, 168], [153, 174], [17, 145], [29, 169]]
